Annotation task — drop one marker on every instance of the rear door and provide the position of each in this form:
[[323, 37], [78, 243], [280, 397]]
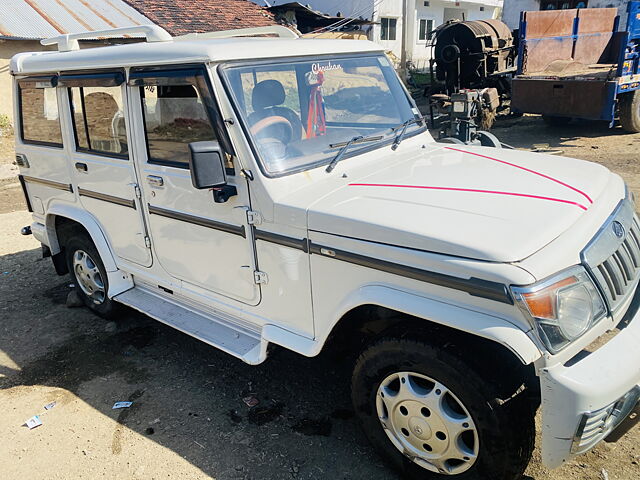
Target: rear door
[[104, 171], [207, 245]]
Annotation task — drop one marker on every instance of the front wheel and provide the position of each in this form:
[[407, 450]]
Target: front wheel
[[434, 414]]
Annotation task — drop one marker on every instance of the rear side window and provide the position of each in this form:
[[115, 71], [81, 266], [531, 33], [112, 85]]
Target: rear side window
[[39, 117], [174, 116], [99, 121]]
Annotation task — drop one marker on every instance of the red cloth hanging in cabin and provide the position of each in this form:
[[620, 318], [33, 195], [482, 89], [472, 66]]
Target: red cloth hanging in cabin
[[316, 120]]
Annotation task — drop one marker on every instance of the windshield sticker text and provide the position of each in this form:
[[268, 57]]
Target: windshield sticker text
[[317, 67]]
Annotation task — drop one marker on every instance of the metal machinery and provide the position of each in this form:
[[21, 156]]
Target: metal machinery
[[473, 54], [471, 63], [462, 109]]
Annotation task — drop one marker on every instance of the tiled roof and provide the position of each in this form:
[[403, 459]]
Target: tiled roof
[[36, 19], [197, 16]]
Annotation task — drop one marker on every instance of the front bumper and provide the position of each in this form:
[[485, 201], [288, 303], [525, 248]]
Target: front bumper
[[583, 402]]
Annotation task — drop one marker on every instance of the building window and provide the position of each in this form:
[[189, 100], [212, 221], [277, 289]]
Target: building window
[[39, 119], [98, 120], [426, 3], [425, 26], [388, 31]]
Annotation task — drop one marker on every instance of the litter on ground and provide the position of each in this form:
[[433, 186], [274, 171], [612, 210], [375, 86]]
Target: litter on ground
[[121, 405], [33, 422]]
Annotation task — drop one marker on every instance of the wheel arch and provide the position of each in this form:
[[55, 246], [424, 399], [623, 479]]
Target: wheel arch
[[69, 215], [376, 309], [86, 221]]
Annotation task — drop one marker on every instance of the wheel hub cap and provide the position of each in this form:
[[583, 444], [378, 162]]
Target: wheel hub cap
[[427, 423], [88, 276]]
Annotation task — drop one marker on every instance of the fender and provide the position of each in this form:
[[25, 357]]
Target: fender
[[119, 281], [487, 326]]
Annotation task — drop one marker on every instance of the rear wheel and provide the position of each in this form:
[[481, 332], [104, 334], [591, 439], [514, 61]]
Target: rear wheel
[[434, 413], [630, 111], [89, 275]]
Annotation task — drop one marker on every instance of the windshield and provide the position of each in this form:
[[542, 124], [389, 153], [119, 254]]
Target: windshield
[[298, 112]]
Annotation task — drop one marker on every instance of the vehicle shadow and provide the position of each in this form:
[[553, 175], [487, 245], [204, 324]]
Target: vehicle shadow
[[188, 397]]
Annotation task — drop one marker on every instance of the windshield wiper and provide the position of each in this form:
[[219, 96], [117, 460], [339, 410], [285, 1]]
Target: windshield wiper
[[403, 129], [344, 146]]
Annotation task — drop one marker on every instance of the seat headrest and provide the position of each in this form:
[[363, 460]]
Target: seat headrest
[[268, 93]]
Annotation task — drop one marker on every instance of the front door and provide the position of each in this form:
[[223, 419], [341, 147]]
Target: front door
[[205, 244], [104, 172]]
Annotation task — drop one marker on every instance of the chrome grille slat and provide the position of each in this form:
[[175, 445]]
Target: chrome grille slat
[[630, 253], [627, 264], [611, 267], [609, 284], [615, 261]]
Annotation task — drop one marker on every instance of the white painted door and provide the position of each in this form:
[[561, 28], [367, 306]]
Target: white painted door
[[102, 166], [206, 245]]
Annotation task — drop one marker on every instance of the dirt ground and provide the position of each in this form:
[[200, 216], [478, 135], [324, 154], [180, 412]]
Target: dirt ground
[[188, 419]]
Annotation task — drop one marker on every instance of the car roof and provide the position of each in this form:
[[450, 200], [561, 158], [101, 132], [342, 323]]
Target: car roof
[[183, 51]]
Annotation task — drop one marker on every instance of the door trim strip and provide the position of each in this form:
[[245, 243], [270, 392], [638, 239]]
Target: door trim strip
[[67, 187], [107, 198], [473, 286], [203, 222], [284, 240], [476, 287]]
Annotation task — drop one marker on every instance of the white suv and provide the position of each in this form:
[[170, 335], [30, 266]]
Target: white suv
[[285, 191]]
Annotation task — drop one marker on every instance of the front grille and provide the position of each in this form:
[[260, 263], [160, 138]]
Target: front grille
[[614, 260]]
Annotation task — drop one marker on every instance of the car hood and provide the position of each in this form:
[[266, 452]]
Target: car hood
[[483, 203]]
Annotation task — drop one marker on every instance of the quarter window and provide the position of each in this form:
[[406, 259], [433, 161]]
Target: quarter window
[[388, 28], [39, 117], [174, 116], [98, 120]]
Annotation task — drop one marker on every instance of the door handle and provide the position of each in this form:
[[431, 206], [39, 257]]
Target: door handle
[[155, 181], [81, 167]]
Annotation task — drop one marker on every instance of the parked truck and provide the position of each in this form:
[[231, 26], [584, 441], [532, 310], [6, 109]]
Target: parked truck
[[576, 64]]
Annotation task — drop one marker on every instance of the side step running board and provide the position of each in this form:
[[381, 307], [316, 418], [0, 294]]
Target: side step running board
[[236, 341]]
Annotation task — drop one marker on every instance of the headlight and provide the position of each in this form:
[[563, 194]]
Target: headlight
[[563, 307]]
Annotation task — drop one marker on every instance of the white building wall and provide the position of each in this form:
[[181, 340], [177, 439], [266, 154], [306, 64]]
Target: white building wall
[[417, 50]]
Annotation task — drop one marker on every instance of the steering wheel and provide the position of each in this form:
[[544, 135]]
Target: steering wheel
[[283, 130]]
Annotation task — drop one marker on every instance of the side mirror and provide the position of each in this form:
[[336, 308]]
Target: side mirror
[[207, 165]]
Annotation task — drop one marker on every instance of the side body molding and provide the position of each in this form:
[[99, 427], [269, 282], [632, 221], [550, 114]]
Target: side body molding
[[487, 326], [119, 281]]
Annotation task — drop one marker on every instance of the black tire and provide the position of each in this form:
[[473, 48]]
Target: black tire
[[80, 241], [554, 121], [630, 111], [506, 431]]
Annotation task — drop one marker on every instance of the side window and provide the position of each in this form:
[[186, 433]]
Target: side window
[[174, 116], [98, 120], [39, 117]]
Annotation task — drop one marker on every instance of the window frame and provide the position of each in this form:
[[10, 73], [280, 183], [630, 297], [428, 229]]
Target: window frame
[[388, 29], [426, 19], [226, 84], [139, 77], [52, 82], [111, 78]]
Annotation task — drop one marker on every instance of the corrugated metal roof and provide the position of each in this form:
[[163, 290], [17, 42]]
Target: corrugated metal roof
[[37, 19]]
